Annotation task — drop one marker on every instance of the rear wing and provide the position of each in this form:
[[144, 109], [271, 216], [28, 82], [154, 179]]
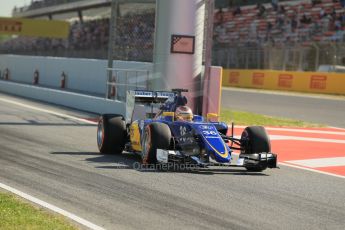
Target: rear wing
[[146, 99], [155, 97]]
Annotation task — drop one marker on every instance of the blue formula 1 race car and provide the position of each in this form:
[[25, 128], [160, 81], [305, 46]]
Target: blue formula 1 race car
[[163, 130]]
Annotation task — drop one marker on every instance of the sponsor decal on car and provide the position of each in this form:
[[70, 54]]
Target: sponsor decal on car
[[205, 127]]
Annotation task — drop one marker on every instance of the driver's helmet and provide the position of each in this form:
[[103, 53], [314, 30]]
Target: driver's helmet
[[183, 113]]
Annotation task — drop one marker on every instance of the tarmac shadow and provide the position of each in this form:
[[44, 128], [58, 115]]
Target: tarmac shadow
[[132, 161], [116, 161]]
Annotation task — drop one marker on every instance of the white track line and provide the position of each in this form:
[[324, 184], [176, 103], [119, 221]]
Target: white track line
[[320, 162], [36, 200], [311, 170], [52, 207], [47, 111], [301, 130], [293, 138], [301, 167], [337, 128]]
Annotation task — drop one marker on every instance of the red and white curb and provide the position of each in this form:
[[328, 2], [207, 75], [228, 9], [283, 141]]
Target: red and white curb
[[320, 150]]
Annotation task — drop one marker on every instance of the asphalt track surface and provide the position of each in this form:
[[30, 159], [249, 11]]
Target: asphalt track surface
[[328, 110], [56, 160]]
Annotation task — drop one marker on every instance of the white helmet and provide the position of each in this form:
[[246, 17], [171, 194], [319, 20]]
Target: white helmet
[[183, 113]]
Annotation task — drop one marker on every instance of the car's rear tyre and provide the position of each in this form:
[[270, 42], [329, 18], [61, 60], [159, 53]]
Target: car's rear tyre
[[111, 134], [255, 140], [156, 136]]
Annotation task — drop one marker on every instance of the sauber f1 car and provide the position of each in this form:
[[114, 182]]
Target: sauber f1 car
[[163, 130]]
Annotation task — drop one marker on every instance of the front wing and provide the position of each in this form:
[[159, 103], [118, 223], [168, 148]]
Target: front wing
[[264, 160]]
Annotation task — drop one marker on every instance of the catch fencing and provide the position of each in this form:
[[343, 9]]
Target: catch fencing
[[302, 57]]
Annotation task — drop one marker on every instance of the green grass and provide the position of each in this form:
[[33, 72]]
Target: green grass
[[246, 118], [16, 214]]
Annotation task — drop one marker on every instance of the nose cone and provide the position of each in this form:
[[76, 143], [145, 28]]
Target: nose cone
[[219, 149], [214, 143]]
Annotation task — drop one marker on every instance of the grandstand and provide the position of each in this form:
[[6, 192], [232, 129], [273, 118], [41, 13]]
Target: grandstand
[[248, 34], [89, 33], [294, 21], [294, 35]]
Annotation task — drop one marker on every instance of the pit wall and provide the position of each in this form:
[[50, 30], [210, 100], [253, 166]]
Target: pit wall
[[78, 101], [85, 81], [310, 82], [84, 75]]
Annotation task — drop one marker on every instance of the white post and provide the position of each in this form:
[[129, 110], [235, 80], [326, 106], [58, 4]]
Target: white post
[[177, 70]]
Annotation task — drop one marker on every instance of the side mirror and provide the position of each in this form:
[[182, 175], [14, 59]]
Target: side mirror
[[212, 117], [168, 116]]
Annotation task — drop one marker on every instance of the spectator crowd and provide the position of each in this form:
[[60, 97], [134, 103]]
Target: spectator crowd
[[134, 35], [281, 23]]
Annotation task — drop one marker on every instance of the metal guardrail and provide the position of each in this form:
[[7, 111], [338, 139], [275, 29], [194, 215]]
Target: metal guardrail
[[290, 58]]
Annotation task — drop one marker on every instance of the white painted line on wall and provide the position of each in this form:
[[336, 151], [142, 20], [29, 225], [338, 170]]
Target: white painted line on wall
[[47, 111], [52, 207], [320, 162], [311, 170]]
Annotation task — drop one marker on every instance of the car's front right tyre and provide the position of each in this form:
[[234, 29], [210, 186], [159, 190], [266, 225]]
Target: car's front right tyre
[[156, 136], [255, 140]]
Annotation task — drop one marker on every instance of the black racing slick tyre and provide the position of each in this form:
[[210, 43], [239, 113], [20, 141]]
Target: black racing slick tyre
[[254, 140], [156, 136], [111, 134]]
